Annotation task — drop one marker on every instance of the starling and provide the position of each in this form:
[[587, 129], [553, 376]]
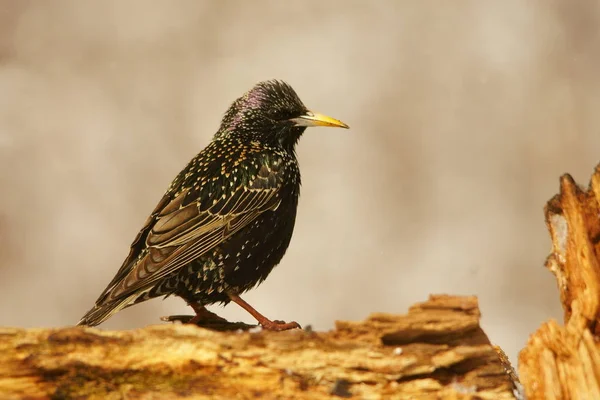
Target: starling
[[227, 219]]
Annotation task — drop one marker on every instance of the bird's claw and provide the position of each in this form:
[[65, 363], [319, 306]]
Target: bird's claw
[[278, 326]]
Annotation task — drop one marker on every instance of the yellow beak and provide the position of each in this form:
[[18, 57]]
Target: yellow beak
[[315, 119]]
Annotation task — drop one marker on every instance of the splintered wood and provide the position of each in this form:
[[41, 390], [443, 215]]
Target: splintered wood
[[437, 350], [563, 362]]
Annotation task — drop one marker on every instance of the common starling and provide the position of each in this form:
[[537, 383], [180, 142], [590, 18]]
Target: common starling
[[227, 219]]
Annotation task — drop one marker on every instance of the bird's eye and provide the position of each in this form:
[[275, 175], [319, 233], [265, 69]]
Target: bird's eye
[[277, 114]]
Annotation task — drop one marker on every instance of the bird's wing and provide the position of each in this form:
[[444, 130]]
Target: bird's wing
[[178, 233]]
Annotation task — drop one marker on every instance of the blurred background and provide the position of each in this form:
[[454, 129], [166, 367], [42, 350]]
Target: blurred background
[[463, 117]]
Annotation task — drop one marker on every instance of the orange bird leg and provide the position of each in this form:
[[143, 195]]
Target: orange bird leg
[[262, 320], [202, 314]]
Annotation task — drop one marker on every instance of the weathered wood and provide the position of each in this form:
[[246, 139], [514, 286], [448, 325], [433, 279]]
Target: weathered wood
[[437, 350], [563, 362]]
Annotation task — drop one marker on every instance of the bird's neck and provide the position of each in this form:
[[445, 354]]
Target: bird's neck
[[289, 138]]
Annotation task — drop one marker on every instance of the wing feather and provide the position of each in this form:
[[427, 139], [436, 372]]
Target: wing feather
[[180, 234]]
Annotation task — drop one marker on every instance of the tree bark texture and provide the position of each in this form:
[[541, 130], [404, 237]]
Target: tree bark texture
[[563, 361], [437, 350]]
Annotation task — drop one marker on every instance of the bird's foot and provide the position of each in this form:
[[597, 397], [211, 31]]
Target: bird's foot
[[279, 325], [266, 323], [206, 317], [215, 324]]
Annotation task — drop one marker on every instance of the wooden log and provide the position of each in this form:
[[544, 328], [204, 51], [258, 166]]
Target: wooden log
[[437, 350], [563, 362]]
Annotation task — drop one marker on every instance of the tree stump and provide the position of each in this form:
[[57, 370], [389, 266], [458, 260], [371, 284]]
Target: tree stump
[[563, 362]]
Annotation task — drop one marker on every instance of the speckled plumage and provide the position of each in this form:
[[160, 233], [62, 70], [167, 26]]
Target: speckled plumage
[[227, 219]]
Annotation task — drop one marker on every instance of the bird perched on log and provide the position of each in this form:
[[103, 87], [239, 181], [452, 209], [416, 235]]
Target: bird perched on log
[[227, 219]]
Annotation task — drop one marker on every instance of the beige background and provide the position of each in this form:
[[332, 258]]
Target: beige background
[[463, 114]]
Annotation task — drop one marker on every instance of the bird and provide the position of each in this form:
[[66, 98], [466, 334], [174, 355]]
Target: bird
[[227, 218]]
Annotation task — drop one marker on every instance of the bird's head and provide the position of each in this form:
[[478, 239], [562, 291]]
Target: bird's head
[[271, 112]]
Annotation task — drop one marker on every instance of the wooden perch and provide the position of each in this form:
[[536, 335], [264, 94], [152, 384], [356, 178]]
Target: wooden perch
[[563, 362], [437, 350]]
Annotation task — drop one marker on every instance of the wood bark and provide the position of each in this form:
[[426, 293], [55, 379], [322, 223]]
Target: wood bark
[[437, 350], [563, 361]]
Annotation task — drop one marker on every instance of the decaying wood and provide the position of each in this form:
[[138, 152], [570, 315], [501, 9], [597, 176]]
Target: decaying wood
[[563, 362], [437, 350]]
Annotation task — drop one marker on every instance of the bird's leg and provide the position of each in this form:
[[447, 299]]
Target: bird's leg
[[262, 320], [202, 314]]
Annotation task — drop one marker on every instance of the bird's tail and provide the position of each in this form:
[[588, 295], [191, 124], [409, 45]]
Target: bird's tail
[[101, 312]]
